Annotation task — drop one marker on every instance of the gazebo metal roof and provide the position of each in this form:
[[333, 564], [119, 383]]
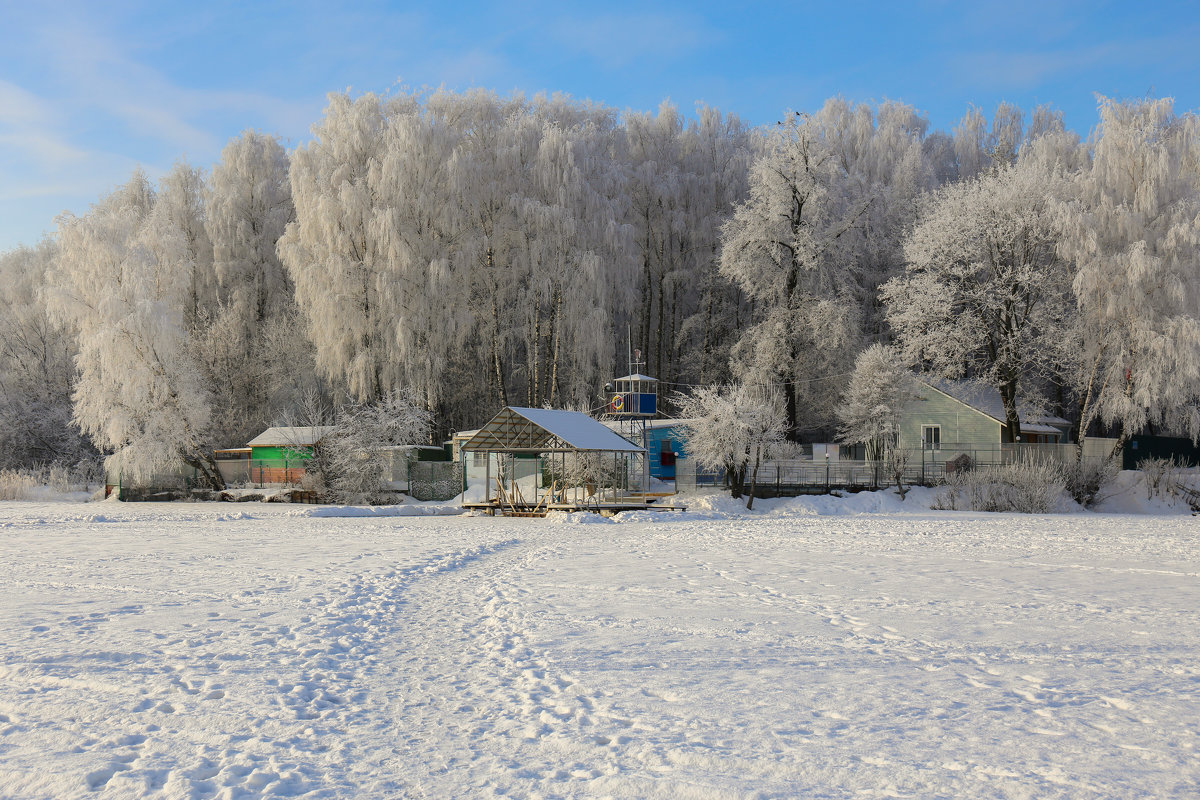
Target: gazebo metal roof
[[542, 430]]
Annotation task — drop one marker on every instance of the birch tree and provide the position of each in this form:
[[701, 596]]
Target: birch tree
[[331, 252], [1134, 233], [37, 370], [874, 401], [126, 282], [357, 454], [248, 207]]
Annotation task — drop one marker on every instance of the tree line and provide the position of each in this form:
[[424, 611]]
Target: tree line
[[473, 250]]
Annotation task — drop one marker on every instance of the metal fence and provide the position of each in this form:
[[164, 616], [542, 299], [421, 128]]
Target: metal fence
[[259, 474], [422, 480], [923, 467]]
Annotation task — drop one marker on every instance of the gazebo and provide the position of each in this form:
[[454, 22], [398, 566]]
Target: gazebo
[[528, 461]]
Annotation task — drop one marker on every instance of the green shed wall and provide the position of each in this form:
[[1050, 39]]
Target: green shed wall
[[280, 456]]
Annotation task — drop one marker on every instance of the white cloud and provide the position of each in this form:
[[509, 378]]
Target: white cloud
[[1030, 69], [623, 40]]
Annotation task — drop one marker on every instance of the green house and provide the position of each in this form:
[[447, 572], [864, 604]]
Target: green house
[[947, 418]]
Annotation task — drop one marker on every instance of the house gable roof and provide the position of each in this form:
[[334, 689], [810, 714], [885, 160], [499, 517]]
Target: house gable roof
[[987, 401], [539, 430]]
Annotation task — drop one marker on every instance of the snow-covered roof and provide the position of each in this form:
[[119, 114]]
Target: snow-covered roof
[[637, 376], [291, 436], [667, 423], [619, 426], [544, 430], [987, 400]]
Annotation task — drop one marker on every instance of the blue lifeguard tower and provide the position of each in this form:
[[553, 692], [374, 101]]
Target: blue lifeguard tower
[[633, 397], [632, 400]]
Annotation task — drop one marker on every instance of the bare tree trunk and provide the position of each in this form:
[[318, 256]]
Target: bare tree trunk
[[754, 478], [536, 355], [1008, 394], [497, 372], [206, 465], [556, 326], [662, 314]]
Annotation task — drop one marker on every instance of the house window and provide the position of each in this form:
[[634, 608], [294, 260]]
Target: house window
[[666, 453], [931, 437]]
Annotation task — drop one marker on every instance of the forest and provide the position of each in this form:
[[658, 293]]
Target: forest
[[471, 250]]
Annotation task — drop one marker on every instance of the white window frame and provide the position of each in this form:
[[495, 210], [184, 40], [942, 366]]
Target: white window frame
[[936, 443]]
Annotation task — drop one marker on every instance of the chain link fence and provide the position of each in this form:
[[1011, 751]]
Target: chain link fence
[[435, 480]]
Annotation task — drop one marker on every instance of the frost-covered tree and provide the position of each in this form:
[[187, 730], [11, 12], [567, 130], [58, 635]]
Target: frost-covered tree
[[717, 154], [482, 248], [874, 401], [764, 420], [573, 248], [1133, 232], [37, 370], [985, 295], [126, 281], [714, 437], [248, 207], [802, 248], [331, 250], [979, 149], [356, 455], [660, 190], [369, 251], [181, 214], [731, 426]]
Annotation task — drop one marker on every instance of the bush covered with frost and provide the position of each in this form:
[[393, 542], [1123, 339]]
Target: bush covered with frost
[[1084, 479], [16, 484], [1028, 486]]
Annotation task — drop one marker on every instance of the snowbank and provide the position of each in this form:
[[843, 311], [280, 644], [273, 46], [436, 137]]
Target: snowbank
[[718, 505], [1128, 493], [411, 508]]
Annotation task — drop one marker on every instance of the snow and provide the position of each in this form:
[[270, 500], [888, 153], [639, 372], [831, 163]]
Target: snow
[[293, 436], [1127, 493], [816, 648]]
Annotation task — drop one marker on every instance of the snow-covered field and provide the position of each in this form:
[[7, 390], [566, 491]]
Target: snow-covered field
[[252, 650]]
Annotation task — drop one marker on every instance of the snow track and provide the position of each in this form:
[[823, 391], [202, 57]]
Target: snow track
[[183, 652]]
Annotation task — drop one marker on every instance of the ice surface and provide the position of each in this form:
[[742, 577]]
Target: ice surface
[[814, 649]]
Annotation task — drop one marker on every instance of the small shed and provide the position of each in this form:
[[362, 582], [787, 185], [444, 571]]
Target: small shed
[[665, 441], [528, 461], [279, 454]]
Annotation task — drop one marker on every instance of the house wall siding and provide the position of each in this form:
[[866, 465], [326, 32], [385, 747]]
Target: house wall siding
[[963, 428]]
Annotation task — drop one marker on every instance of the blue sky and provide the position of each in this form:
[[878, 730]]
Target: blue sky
[[90, 90]]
